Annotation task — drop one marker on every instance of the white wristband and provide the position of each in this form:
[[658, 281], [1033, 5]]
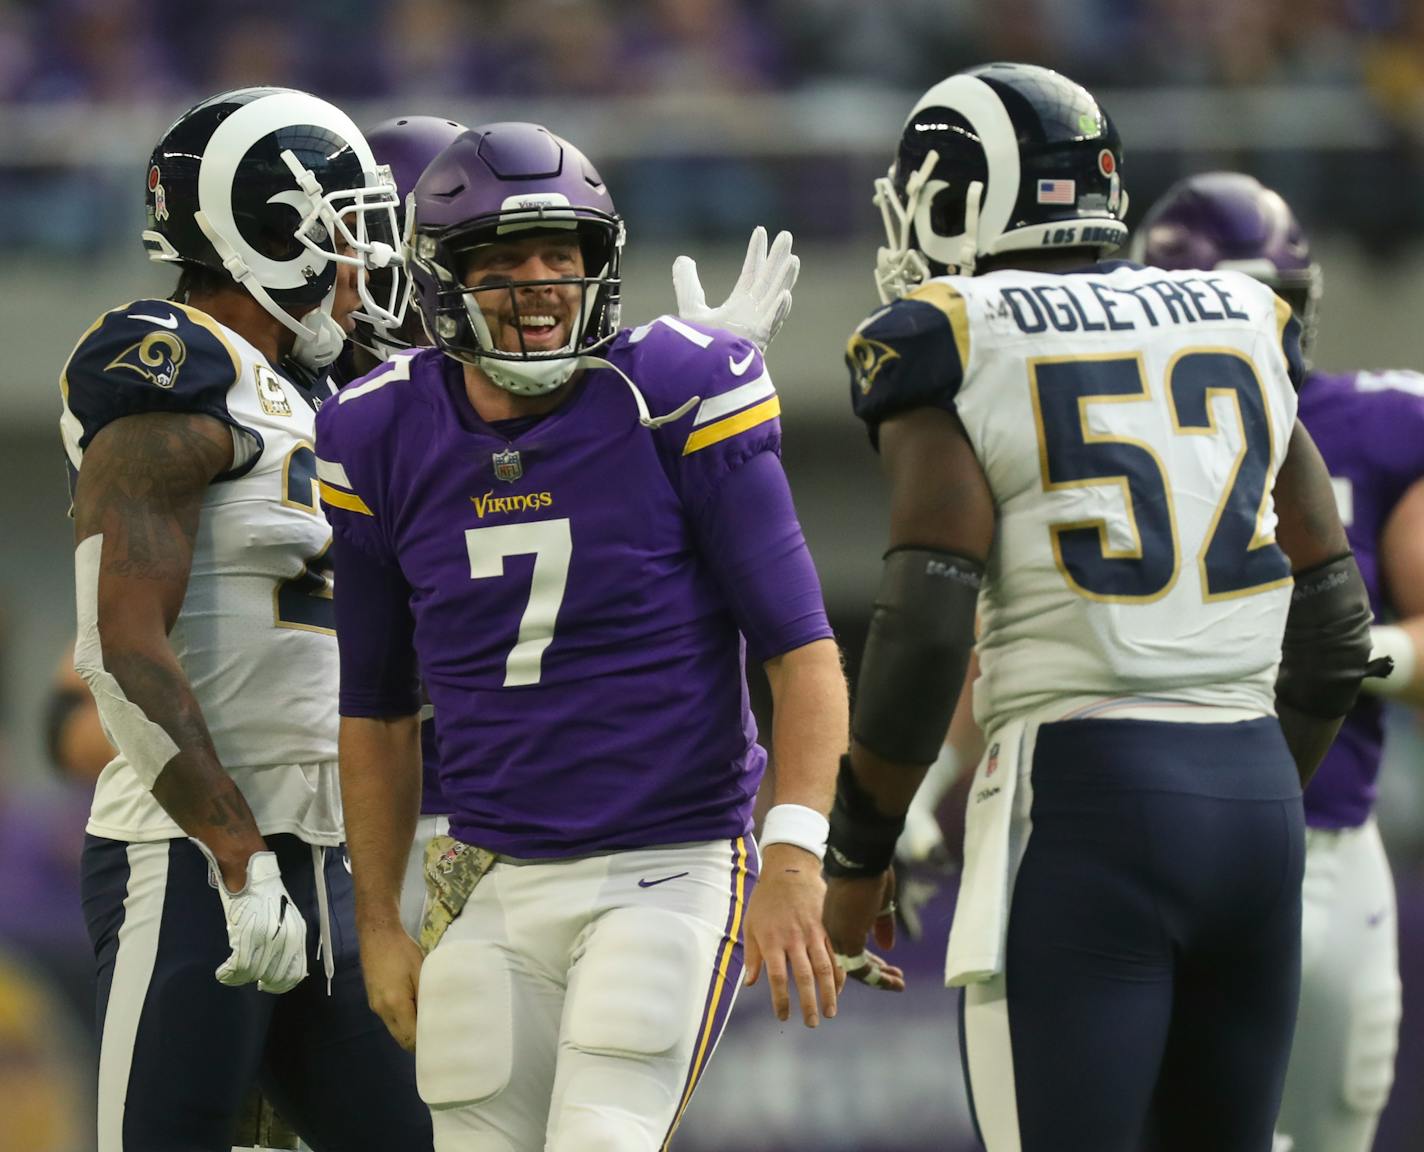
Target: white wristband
[[1392, 641], [796, 824]]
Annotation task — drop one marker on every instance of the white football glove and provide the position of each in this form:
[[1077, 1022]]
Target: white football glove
[[760, 300], [266, 931]]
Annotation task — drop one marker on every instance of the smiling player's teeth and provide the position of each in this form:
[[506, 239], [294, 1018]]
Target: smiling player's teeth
[[537, 321]]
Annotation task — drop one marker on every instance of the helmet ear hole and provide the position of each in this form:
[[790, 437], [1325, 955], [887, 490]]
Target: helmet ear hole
[[947, 210]]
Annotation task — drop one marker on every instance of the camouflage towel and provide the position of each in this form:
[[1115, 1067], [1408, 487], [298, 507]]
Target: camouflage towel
[[452, 869]]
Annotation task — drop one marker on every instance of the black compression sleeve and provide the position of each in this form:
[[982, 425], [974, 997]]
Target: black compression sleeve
[[921, 635]]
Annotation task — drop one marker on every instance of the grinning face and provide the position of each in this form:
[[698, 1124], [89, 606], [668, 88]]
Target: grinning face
[[528, 318]]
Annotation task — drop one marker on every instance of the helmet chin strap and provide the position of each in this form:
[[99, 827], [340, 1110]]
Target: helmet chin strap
[[522, 377], [316, 347], [531, 377], [317, 352], [538, 377], [645, 417]]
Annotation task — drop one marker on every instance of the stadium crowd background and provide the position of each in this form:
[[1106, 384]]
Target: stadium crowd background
[[706, 117]]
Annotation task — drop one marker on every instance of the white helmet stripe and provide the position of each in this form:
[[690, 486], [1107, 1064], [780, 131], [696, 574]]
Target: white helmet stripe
[[232, 140], [978, 103]]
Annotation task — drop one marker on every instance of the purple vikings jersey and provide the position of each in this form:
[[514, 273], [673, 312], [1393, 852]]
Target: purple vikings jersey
[[583, 658], [432, 799], [1370, 429]]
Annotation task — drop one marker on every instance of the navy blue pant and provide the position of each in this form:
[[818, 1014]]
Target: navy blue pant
[[1153, 961], [179, 1051]]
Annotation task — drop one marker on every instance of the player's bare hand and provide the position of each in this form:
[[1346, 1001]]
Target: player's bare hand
[[391, 962], [857, 909], [784, 931]]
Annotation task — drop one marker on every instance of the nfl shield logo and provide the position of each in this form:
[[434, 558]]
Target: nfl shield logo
[[507, 466]]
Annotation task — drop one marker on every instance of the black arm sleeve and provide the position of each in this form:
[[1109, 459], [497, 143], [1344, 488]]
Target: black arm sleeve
[[1325, 652], [921, 636]]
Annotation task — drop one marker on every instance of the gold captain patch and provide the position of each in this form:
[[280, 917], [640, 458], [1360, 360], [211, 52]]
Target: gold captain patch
[[271, 393]]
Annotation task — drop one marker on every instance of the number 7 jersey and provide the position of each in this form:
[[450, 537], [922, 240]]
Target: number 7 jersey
[[1131, 423], [579, 646]]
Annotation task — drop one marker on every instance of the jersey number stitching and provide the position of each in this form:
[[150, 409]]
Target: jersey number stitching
[[551, 544], [304, 601], [1238, 557]]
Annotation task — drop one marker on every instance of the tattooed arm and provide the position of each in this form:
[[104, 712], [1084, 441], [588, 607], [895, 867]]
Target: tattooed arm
[[140, 489]]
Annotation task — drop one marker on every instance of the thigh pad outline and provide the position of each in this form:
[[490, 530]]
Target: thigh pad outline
[[635, 983], [1370, 1048], [464, 1047]]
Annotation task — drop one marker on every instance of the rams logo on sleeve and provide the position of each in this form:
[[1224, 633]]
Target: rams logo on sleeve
[[909, 354], [867, 358], [155, 358]]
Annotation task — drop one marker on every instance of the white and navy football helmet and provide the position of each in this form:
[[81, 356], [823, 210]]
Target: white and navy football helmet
[[406, 145], [999, 158], [259, 183]]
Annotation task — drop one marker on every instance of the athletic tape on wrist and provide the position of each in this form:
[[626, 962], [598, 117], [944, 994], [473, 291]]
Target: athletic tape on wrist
[[796, 824], [851, 965], [145, 745], [1392, 641]]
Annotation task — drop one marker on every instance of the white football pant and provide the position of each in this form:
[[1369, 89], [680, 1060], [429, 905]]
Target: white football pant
[[1342, 1062], [573, 1004]]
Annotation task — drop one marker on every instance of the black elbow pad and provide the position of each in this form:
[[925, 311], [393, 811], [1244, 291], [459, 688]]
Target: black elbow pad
[[1325, 652], [921, 635]]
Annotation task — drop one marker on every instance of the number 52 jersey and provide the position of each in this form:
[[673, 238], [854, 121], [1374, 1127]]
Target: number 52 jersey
[[256, 633], [1131, 423]]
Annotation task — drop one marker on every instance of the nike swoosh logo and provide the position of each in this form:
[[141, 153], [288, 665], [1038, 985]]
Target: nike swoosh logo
[[346, 863], [169, 321], [739, 368], [1374, 920], [281, 916], [664, 880]]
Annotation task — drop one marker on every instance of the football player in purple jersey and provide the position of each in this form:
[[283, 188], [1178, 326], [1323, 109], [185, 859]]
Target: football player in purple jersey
[[756, 308], [577, 533], [1369, 427]]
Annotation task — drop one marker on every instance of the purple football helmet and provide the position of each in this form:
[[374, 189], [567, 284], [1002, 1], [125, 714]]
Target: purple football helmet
[[1228, 220], [405, 145], [498, 181]]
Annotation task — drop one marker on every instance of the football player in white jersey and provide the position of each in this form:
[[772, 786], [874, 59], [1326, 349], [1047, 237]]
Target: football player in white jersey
[[1104, 461], [213, 869]]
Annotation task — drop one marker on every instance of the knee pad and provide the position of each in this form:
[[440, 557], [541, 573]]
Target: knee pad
[[464, 1036], [1370, 1048], [601, 1130], [636, 982]]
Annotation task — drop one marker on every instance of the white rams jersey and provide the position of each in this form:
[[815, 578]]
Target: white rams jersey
[[1131, 423], [256, 633]]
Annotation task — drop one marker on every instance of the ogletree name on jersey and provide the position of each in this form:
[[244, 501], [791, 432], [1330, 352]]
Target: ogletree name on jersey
[[1093, 306]]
